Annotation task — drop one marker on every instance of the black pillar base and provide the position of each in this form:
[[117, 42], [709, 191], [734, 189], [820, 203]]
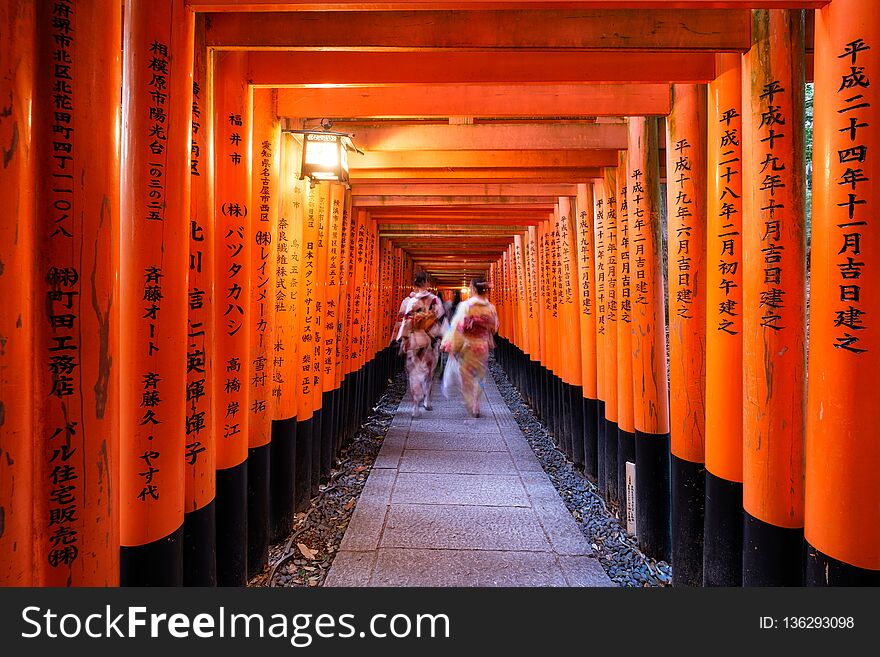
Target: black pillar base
[[626, 452], [282, 478], [317, 435], [688, 503], [601, 444], [590, 439], [823, 570], [576, 406], [303, 483], [723, 532], [772, 556], [232, 531], [157, 563], [652, 494], [199, 547], [329, 406], [611, 461], [258, 508]]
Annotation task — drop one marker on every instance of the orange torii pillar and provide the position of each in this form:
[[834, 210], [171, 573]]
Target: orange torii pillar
[[842, 450], [572, 328], [59, 411], [723, 527], [18, 60], [330, 349], [265, 138], [233, 214], [586, 272], [561, 411], [773, 300], [611, 311], [534, 308], [544, 323], [321, 458], [650, 384], [282, 399], [599, 240], [199, 524], [522, 286], [154, 248], [344, 341], [686, 136], [308, 294], [626, 428], [295, 195], [556, 414]]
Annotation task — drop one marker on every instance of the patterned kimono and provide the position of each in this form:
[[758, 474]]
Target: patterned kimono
[[469, 340], [420, 347]]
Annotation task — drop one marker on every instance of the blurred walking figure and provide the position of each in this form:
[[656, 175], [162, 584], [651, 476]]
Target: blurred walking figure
[[421, 328], [469, 340]]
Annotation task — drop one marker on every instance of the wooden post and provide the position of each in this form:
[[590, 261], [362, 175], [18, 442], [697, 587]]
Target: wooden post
[[572, 328], [599, 239], [626, 429], [650, 385], [686, 212], [18, 61], [586, 267], [773, 300], [200, 523], [722, 536], [842, 451], [265, 137], [154, 247], [611, 347], [233, 213]]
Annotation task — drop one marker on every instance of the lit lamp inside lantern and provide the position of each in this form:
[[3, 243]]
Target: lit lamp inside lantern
[[325, 156]]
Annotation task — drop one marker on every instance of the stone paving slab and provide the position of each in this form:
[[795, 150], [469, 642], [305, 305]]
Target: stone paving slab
[[463, 528], [457, 462], [459, 501], [395, 567], [459, 489]]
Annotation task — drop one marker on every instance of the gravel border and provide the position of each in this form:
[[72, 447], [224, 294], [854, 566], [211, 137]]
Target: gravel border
[[320, 528], [618, 553]]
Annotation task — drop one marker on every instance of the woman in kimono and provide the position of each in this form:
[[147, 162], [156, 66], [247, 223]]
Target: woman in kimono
[[469, 340], [421, 327]]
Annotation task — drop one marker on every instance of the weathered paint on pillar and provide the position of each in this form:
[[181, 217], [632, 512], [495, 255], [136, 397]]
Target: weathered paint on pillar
[[773, 300], [611, 347], [233, 212], [722, 535], [626, 429], [842, 451], [686, 136], [156, 128], [18, 54], [586, 265], [199, 528], [650, 387]]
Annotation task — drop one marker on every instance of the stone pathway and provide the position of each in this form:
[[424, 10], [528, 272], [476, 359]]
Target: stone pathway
[[459, 501]]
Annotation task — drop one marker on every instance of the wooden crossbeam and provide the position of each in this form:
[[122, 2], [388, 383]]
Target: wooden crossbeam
[[461, 189], [470, 159], [278, 69], [488, 202], [709, 30], [564, 175], [479, 100], [490, 137], [415, 5]]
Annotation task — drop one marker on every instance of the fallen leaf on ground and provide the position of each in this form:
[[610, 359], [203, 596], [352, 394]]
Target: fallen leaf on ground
[[349, 504], [307, 552]]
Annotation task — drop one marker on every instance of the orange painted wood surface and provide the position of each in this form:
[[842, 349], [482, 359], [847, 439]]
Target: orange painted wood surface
[[686, 134], [724, 274], [842, 453], [153, 269], [18, 62], [774, 275]]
